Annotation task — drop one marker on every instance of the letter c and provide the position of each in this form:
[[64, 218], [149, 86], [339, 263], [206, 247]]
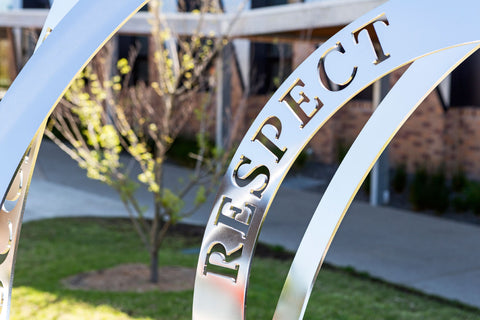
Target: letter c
[[325, 80]]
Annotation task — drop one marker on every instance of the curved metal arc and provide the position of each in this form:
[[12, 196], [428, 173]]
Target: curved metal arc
[[57, 12], [222, 294], [79, 42], [23, 176], [332, 103], [14, 220], [419, 80], [56, 16]]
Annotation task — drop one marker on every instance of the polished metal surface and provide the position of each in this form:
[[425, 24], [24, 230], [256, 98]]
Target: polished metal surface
[[13, 200], [343, 66], [56, 14], [49, 72], [13, 206], [408, 31], [394, 110], [11, 213]]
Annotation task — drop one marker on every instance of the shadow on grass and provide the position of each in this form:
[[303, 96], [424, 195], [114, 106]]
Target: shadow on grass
[[51, 250]]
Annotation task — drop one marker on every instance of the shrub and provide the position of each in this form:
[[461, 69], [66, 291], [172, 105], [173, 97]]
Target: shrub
[[459, 203], [366, 185], [459, 180], [399, 179], [437, 192], [181, 149], [301, 160], [417, 189], [429, 191], [472, 196], [342, 149]]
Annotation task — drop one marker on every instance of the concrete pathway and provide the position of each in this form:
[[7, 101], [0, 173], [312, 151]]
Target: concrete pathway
[[430, 254]]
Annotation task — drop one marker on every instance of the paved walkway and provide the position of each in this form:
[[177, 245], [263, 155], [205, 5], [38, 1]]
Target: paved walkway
[[430, 254]]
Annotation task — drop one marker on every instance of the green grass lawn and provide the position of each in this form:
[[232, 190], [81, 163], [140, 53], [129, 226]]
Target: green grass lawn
[[51, 250]]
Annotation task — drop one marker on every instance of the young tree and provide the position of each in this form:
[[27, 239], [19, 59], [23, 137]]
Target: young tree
[[101, 116]]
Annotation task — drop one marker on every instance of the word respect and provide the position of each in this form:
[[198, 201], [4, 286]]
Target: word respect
[[239, 211]]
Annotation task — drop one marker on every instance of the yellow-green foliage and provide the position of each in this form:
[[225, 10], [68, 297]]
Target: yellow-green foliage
[[101, 158], [105, 115], [54, 249]]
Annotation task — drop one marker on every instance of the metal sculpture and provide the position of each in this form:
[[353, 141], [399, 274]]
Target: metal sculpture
[[407, 31], [66, 45], [13, 206]]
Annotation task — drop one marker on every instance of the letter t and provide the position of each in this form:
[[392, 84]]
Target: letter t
[[372, 34]]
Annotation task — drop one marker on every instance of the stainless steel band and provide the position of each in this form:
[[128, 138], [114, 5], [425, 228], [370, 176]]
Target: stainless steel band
[[49, 72], [23, 123], [300, 107], [407, 31], [424, 74], [11, 214]]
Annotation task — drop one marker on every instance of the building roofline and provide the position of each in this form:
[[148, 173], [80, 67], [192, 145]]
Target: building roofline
[[320, 19]]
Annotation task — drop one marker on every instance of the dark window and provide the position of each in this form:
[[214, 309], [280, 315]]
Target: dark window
[[267, 3], [188, 5], [36, 4], [140, 68], [465, 81], [271, 63]]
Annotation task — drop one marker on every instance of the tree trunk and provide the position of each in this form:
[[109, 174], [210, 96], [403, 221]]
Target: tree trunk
[[154, 265]]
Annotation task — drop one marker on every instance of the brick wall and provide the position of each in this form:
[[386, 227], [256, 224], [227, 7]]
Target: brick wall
[[340, 131], [462, 140], [420, 141], [432, 137]]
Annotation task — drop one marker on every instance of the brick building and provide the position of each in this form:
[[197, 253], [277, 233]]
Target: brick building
[[442, 132]]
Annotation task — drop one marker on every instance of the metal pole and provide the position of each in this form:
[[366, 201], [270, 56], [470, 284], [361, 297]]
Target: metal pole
[[17, 38], [223, 96], [379, 176]]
